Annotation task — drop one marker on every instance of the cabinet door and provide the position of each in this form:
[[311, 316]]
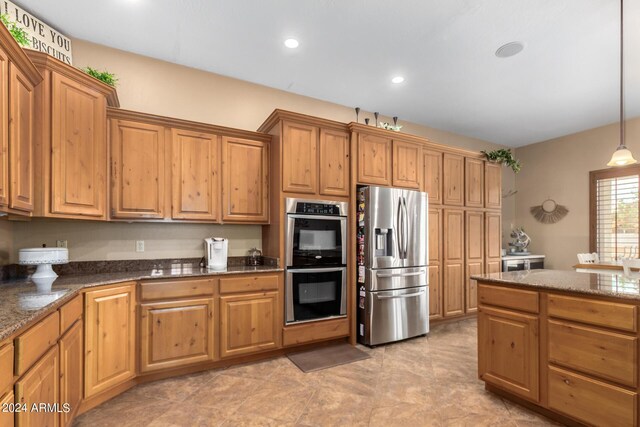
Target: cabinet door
[[249, 323], [78, 150], [435, 235], [474, 247], [474, 183], [407, 165], [508, 351], [39, 385], [137, 170], [21, 114], [299, 158], [433, 176], [109, 338], [245, 180], [374, 160], [7, 418], [334, 163], [493, 241], [435, 292], [176, 333], [71, 379], [492, 185], [453, 270], [195, 170], [4, 129], [453, 179]]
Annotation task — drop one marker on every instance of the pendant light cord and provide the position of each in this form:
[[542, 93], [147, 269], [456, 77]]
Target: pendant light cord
[[622, 73]]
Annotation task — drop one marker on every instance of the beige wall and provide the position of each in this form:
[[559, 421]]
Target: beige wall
[[559, 169], [6, 242], [163, 88]]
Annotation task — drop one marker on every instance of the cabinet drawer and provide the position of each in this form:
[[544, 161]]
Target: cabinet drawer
[[70, 312], [604, 354], [591, 401], [599, 313], [162, 289], [6, 367], [506, 297], [316, 331], [36, 341], [248, 284]]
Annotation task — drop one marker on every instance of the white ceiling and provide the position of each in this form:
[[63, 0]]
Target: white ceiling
[[565, 80]]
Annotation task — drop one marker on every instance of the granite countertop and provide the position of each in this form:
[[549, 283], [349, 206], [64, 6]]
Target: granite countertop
[[610, 284], [21, 304]]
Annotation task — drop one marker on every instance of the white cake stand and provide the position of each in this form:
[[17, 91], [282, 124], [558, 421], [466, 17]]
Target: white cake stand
[[43, 258]]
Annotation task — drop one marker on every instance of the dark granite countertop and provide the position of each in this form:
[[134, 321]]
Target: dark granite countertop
[[21, 304], [610, 284]]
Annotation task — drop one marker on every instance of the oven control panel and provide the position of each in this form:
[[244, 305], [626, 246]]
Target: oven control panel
[[317, 209]]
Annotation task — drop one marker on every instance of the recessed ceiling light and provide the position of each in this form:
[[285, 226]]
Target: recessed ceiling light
[[397, 79], [291, 43], [509, 49]]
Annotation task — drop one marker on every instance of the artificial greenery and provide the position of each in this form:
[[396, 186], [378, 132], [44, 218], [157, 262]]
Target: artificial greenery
[[103, 76], [18, 33], [504, 157]]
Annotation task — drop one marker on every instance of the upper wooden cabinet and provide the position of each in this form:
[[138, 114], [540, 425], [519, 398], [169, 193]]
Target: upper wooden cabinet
[[299, 158], [492, 185], [71, 141], [195, 170], [435, 235], [245, 180], [334, 163], [433, 176], [18, 78], [407, 165], [137, 170], [474, 183], [453, 179], [493, 235], [374, 159]]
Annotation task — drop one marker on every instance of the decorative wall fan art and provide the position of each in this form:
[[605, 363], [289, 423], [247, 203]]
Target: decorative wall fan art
[[549, 212]]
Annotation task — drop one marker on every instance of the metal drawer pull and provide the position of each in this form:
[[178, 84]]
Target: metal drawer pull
[[401, 296], [419, 273]]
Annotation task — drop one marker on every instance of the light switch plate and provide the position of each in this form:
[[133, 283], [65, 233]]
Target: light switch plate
[[139, 245], [61, 243]]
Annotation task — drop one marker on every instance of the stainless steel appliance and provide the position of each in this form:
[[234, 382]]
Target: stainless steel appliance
[[393, 293], [316, 258], [522, 262]]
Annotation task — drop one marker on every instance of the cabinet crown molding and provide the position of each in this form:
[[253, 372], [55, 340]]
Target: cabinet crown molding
[[19, 56], [283, 115]]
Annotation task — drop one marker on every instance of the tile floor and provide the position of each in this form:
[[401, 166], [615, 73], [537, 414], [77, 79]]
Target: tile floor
[[421, 382]]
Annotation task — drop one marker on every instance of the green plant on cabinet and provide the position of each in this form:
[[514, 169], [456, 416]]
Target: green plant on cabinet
[[504, 157], [18, 33], [103, 76]]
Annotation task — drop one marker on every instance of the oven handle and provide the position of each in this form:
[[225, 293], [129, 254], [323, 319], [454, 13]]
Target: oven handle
[[418, 273], [328, 217], [315, 270], [415, 294]]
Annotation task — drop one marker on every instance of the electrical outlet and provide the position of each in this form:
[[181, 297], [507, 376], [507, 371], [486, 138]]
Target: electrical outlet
[[139, 245], [61, 243]]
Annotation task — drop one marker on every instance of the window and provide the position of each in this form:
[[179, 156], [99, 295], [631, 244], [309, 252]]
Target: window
[[614, 213]]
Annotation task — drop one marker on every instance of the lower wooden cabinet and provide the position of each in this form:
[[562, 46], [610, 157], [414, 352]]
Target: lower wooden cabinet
[[7, 419], [40, 385], [508, 351], [453, 288], [71, 375], [110, 331], [249, 323], [435, 292], [176, 333]]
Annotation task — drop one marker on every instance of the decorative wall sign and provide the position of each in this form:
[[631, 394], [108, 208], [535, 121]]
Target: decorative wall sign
[[43, 38], [549, 212]]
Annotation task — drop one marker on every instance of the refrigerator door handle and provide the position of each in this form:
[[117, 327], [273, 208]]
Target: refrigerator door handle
[[399, 229], [405, 224], [384, 276], [415, 294]]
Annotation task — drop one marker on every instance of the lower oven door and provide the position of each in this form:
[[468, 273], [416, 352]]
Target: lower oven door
[[315, 293], [397, 315]]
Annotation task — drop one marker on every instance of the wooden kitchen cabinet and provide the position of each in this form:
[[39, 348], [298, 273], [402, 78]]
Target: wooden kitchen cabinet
[[374, 159], [4, 129], [433, 176], [453, 267], [493, 242], [195, 191], [508, 351], [245, 180], [249, 323], [299, 158], [137, 170], [176, 333], [474, 256], [7, 419], [435, 292], [39, 385], [453, 179], [334, 163], [435, 263], [71, 371], [407, 165], [110, 331], [474, 183], [492, 185]]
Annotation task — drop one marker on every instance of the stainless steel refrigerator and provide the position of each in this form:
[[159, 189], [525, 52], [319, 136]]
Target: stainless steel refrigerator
[[392, 258]]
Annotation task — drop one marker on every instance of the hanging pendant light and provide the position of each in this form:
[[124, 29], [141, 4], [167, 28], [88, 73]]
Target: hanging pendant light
[[622, 156]]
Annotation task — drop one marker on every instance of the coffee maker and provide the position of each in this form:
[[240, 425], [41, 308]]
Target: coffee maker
[[215, 250]]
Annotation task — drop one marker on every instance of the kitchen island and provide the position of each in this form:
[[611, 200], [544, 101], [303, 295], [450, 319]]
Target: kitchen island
[[562, 343]]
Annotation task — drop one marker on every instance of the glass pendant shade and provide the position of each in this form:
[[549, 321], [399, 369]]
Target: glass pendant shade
[[622, 157]]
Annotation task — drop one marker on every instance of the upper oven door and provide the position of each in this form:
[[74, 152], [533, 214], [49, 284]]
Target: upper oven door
[[314, 240]]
